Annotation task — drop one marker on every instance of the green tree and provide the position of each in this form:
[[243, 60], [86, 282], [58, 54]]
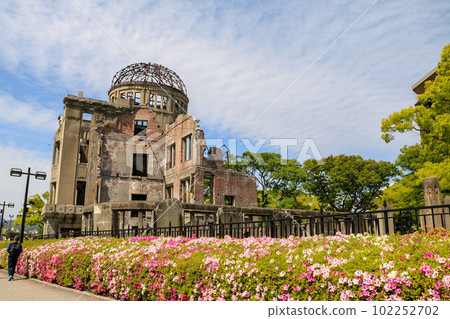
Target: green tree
[[33, 218], [287, 192], [430, 157], [279, 181], [262, 166], [347, 183]]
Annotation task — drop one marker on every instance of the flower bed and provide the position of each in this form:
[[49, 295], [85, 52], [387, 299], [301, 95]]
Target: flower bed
[[341, 267]]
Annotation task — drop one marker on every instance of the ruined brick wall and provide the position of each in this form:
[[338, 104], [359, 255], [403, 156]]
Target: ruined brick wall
[[241, 187], [183, 169], [119, 143], [225, 182]]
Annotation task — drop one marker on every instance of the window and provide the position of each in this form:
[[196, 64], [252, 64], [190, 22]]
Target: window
[[171, 156], [83, 152], [129, 95], [207, 189], [229, 200], [81, 192], [165, 102], [139, 164], [56, 153], [139, 197], [185, 191], [52, 192], [169, 191], [177, 106], [152, 99], [140, 127], [187, 147], [134, 214], [158, 101], [122, 96], [137, 99]]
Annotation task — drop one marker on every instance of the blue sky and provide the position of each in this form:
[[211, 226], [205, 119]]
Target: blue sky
[[236, 58]]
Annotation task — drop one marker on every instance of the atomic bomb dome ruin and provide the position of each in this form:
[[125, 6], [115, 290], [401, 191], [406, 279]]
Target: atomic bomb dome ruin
[[138, 160]]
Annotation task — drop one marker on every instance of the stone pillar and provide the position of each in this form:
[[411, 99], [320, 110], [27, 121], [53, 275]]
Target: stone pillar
[[84, 222], [309, 227], [104, 217], [431, 218], [169, 212], [68, 158], [140, 220], [51, 225], [382, 215], [327, 224]]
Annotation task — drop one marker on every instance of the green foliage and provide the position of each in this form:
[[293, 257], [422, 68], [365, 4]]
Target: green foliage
[[207, 191], [289, 178], [431, 118], [263, 167], [37, 203], [347, 183], [341, 183], [279, 180]]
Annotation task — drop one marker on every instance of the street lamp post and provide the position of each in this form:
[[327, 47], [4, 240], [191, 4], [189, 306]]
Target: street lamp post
[[17, 172], [3, 213]]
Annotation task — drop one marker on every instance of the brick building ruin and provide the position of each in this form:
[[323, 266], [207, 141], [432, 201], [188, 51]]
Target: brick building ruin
[[135, 160]]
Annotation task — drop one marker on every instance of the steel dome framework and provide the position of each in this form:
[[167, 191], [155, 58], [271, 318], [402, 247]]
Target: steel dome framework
[[149, 73]]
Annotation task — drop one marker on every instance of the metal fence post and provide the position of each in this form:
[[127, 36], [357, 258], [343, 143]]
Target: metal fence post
[[386, 222], [272, 227], [322, 223]]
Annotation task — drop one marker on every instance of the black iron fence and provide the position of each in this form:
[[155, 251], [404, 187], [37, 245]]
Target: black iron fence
[[405, 220]]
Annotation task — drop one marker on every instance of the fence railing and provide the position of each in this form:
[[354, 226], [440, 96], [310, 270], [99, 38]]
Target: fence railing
[[380, 222]]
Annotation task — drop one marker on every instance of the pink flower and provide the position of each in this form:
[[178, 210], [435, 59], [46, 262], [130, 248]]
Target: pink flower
[[446, 281]]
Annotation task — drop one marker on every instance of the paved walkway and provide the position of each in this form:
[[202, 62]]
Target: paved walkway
[[22, 289]]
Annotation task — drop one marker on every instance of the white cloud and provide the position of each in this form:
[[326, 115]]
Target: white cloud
[[236, 59], [12, 189], [27, 116]]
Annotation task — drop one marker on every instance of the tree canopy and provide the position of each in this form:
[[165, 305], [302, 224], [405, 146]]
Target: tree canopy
[[347, 183], [430, 157], [340, 183], [263, 167], [33, 218]]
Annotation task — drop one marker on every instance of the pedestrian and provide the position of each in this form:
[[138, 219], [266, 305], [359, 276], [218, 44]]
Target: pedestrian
[[14, 250]]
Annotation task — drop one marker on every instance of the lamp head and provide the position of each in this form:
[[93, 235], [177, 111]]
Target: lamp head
[[40, 175], [16, 172]]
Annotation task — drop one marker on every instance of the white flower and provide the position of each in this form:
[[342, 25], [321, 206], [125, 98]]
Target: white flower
[[392, 274]]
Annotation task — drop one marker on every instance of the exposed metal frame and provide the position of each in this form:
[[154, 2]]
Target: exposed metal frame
[[149, 73]]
